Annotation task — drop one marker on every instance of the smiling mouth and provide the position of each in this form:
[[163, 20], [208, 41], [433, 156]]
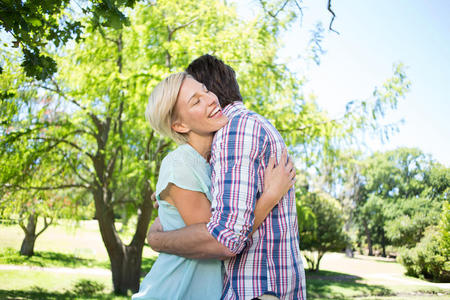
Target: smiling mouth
[[214, 112]]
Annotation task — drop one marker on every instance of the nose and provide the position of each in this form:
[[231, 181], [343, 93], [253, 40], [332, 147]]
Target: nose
[[211, 100]]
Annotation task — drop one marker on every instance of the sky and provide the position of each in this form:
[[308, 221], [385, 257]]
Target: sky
[[373, 35]]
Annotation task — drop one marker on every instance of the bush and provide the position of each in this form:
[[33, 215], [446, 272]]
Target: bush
[[86, 287], [321, 227], [426, 259]]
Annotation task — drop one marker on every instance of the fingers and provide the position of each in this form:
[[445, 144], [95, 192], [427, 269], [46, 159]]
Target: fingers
[[271, 163], [293, 174], [290, 164], [284, 156], [155, 203]]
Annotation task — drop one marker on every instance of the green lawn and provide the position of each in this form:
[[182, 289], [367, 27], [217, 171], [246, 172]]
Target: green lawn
[[66, 254]]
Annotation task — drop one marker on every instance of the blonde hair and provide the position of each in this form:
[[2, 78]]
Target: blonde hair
[[161, 105]]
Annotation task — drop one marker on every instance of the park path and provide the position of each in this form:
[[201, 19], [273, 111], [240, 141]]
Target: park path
[[374, 269], [63, 270]]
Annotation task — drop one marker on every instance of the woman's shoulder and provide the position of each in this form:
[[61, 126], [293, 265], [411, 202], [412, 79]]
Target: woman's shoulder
[[183, 157], [179, 154]]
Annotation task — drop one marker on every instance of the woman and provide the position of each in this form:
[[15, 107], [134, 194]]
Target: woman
[[181, 108]]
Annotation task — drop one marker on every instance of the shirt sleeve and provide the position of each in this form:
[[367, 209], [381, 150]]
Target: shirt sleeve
[[235, 163], [179, 172]]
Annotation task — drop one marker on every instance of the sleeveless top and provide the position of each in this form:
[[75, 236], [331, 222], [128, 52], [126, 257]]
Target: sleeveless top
[[173, 277]]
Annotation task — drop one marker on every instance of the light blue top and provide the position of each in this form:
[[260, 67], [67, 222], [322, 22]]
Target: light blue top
[[173, 277]]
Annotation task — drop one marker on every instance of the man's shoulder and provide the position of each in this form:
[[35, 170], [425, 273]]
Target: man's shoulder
[[250, 119]]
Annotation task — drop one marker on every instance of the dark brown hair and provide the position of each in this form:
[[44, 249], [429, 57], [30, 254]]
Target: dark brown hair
[[218, 78]]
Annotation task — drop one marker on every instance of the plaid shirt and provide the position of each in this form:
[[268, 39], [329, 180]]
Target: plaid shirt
[[269, 260]]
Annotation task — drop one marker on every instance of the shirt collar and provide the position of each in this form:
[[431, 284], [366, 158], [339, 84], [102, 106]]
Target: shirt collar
[[231, 109]]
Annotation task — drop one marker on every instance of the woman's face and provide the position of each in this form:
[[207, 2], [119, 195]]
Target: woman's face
[[197, 110]]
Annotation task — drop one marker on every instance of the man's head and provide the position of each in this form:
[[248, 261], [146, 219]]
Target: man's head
[[218, 77]]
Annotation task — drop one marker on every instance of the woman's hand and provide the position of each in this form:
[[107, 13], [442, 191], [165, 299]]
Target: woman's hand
[[278, 179]]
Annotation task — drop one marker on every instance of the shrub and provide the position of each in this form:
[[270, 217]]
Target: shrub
[[321, 227], [426, 259], [86, 287]]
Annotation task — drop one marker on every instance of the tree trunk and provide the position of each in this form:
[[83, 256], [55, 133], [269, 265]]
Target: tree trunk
[[125, 260], [348, 246], [383, 243], [349, 251], [126, 269], [319, 258], [27, 247], [369, 238]]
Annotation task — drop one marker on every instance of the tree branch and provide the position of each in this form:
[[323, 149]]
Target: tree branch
[[46, 224], [62, 140], [309, 126], [274, 15], [332, 19], [78, 174]]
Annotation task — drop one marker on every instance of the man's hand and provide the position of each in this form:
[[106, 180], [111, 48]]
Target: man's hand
[[156, 227], [155, 203]]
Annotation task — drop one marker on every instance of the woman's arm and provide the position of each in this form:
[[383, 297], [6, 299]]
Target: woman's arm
[[193, 206], [194, 240], [277, 182]]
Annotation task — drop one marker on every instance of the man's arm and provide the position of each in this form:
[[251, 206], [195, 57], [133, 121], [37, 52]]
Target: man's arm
[[234, 189], [237, 164], [193, 241]]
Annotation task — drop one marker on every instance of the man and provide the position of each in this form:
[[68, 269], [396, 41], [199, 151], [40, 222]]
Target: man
[[267, 264]]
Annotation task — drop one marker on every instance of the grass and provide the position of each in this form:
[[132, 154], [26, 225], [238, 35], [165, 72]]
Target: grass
[[82, 240], [74, 252], [334, 285], [43, 294], [49, 259], [367, 278], [50, 281]]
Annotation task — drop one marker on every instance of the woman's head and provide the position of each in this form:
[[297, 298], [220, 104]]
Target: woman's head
[[181, 107]]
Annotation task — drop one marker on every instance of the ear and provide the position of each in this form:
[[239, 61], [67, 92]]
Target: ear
[[180, 127]]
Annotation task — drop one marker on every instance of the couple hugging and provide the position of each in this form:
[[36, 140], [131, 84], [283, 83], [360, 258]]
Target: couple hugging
[[227, 225]]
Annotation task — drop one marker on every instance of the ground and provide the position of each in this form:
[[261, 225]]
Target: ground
[[68, 252]]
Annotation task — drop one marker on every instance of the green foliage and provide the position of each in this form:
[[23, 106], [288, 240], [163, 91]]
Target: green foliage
[[427, 259], [86, 287], [444, 228], [401, 193], [83, 133], [408, 218], [34, 24], [89, 134], [323, 229]]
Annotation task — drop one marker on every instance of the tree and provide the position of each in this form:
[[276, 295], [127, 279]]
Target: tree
[[18, 164], [325, 231], [100, 138], [34, 24], [427, 259], [402, 194]]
